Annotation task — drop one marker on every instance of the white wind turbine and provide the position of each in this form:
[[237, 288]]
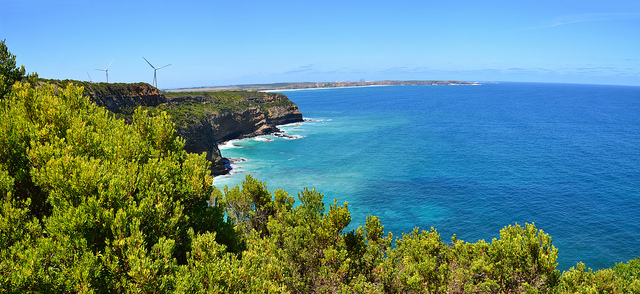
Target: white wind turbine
[[90, 80], [155, 81], [106, 70]]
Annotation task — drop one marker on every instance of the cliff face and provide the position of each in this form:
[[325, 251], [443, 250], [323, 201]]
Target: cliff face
[[200, 137], [206, 119], [205, 134], [243, 123], [203, 119], [120, 97], [280, 115]]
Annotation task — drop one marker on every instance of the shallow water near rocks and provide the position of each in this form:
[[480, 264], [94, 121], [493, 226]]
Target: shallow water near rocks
[[468, 160]]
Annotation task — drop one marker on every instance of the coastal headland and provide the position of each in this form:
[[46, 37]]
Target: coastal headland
[[322, 85], [208, 116], [202, 119]]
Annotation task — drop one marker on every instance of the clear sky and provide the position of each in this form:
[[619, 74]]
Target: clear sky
[[215, 43]]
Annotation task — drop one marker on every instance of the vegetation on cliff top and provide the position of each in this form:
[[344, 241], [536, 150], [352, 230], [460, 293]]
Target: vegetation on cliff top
[[91, 204], [100, 92], [100, 89], [232, 100], [187, 108]]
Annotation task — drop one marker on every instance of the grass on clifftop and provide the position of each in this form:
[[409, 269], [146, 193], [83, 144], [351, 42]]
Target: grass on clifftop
[[100, 89], [187, 108]]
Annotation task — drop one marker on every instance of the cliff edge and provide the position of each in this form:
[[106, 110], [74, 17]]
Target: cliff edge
[[203, 119]]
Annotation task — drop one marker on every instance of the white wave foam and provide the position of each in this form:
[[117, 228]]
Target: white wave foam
[[295, 124], [288, 137], [263, 139], [229, 144]]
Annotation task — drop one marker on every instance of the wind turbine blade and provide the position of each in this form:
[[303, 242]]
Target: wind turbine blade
[[109, 64], [163, 66], [148, 62]]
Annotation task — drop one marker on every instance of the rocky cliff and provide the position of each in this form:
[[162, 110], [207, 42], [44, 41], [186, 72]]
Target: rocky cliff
[[118, 97], [204, 134], [207, 119], [123, 97], [203, 119]]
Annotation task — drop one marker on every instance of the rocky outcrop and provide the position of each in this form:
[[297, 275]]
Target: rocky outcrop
[[204, 133], [248, 122], [203, 120], [200, 137], [281, 115]]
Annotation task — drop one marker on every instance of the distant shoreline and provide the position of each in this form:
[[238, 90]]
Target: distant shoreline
[[324, 85], [307, 89]]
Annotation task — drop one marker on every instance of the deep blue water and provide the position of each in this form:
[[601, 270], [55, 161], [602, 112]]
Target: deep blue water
[[469, 160]]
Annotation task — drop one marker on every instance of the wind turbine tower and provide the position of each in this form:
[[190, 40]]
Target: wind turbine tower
[[106, 70], [90, 80], [155, 81]]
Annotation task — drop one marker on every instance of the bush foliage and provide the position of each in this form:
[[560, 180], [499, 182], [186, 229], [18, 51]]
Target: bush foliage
[[89, 203]]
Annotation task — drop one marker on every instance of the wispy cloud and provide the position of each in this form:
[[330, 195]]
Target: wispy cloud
[[301, 69], [311, 69], [572, 70], [535, 71], [587, 17]]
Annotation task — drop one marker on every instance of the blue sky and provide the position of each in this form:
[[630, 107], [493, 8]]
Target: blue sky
[[215, 43]]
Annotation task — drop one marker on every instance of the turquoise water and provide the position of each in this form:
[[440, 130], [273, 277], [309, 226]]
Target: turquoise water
[[469, 160]]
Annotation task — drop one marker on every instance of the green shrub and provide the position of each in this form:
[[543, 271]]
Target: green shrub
[[89, 202]]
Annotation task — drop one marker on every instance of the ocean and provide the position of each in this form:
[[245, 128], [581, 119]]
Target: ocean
[[468, 160]]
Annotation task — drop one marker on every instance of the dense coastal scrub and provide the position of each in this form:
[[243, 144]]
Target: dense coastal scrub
[[89, 203]]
